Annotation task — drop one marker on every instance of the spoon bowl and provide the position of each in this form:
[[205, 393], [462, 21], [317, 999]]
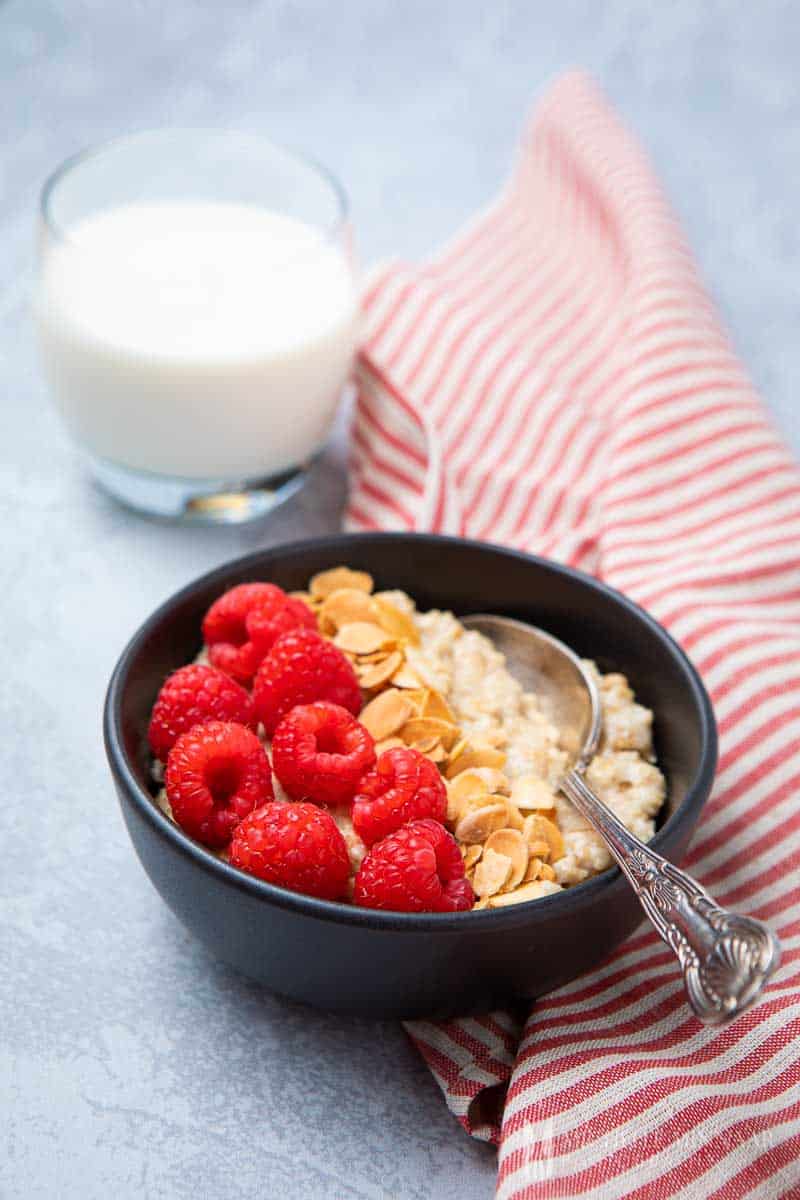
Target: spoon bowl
[[555, 674]]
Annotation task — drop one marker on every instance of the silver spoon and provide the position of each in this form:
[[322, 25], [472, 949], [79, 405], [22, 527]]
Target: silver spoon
[[726, 959]]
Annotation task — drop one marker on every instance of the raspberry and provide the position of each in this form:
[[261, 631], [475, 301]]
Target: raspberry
[[191, 696], [417, 869], [404, 786], [300, 668], [242, 625], [320, 752], [216, 774], [296, 846]]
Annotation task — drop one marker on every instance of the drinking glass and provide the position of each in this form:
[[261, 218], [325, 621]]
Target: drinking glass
[[196, 307]]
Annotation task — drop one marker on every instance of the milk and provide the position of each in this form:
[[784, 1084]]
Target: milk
[[197, 340]]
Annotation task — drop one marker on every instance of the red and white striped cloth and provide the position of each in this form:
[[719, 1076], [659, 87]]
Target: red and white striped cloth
[[557, 379]]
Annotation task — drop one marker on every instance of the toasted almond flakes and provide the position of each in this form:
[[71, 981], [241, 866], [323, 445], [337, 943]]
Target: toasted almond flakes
[[471, 855], [492, 873], [476, 755], [384, 715], [406, 677], [515, 818], [539, 848], [477, 824], [528, 791], [423, 727], [437, 754], [534, 870], [437, 706], [547, 872], [390, 743], [511, 844], [395, 622], [325, 582], [458, 749], [528, 891], [468, 783], [346, 605], [361, 637], [424, 744], [538, 827], [416, 698], [380, 672]]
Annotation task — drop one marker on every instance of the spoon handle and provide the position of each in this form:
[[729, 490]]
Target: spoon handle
[[726, 959]]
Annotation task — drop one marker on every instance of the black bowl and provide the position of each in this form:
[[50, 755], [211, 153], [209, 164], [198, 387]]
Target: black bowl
[[380, 964]]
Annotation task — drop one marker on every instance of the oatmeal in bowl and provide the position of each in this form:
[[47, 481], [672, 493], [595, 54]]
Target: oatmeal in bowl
[[341, 742]]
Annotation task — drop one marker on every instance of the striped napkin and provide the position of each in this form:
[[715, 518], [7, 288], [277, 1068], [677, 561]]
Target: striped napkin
[[556, 379]]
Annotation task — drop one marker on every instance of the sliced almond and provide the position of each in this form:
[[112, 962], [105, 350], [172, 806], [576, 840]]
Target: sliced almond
[[458, 749], [390, 743], [416, 697], [346, 605], [480, 780], [529, 791], [406, 677], [379, 673], [515, 818], [538, 828], [547, 872], [395, 622], [468, 784], [437, 706], [437, 754], [425, 744], [325, 582], [471, 855], [491, 874], [384, 715], [534, 870], [361, 637], [476, 755], [377, 656], [477, 824], [511, 844], [529, 891], [425, 727], [454, 811], [538, 848]]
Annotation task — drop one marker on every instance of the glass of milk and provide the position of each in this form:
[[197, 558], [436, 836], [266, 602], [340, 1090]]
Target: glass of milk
[[197, 314]]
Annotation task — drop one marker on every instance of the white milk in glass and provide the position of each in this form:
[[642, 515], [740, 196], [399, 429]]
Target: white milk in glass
[[197, 340]]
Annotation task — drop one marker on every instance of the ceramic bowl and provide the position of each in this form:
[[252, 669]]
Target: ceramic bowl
[[382, 964]]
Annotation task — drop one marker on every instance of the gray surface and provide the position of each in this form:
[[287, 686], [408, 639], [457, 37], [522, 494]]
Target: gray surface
[[130, 1065]]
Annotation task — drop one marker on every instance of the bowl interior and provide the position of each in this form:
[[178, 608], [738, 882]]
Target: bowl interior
[[465, 577]]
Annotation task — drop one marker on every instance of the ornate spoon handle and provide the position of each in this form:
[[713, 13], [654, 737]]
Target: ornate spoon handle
[[725, 958]]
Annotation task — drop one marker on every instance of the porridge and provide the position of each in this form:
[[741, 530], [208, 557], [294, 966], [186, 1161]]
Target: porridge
[[444, 732]]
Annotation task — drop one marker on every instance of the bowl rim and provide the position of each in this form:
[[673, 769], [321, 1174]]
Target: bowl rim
[[557, 904]]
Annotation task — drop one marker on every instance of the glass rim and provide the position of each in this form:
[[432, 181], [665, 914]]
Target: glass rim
[[330, 233]]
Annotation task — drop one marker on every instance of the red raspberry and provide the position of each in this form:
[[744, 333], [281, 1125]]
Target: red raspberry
[[417, 869], [241, 626], [216, 774], [320, 752], [404, 786], [300, 668], [296, 846], [191, 696]]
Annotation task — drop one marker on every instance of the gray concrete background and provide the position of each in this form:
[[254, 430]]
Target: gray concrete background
[[130, 1064]]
